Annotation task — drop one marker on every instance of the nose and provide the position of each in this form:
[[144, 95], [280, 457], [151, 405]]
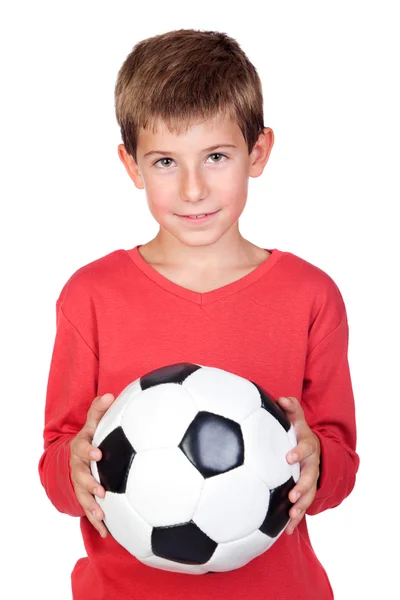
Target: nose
[[193, 186]]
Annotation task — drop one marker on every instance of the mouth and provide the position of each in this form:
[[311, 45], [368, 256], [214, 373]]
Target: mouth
[[199, 218]]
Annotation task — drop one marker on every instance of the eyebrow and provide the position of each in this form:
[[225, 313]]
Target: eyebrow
[[205, 149]]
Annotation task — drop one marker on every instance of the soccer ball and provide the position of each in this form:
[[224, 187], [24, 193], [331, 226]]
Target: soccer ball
[[195, 471]]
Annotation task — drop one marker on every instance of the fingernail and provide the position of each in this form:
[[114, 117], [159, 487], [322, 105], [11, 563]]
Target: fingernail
[[294, 457], [94, 454]]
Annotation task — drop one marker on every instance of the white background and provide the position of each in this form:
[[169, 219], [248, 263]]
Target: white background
[[330, 74]]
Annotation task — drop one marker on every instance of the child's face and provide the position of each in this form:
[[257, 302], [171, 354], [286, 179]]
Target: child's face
[[187, 179]]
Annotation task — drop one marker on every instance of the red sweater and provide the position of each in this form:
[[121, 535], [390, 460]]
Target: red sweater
[[284, 326]]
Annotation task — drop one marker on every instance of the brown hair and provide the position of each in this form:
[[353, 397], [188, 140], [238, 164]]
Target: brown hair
[[183, 76]]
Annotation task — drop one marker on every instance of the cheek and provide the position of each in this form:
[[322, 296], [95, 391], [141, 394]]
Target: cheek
[[233, 198], [159, 200], [232, 186]]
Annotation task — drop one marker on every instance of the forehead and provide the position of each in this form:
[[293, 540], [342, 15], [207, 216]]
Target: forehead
[[198, 135]]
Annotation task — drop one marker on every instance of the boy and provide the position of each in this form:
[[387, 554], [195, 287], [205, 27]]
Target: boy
[[189, 104]]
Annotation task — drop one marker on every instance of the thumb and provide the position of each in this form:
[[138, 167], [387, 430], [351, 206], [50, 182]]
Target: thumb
[[96, 411], [288, 403]]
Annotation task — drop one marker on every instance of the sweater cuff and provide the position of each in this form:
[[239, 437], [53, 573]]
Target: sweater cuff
[[55, 474]]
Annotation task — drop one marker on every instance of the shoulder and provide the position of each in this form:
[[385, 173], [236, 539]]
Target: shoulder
[[314, 286], [91, 281], [98, 269]]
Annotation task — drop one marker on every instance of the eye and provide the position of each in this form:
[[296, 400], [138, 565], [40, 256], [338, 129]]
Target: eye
[[159, 161], [218, 154], [165, 167]]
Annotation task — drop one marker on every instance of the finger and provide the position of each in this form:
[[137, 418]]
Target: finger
[[96, 411], [293, 410], [304, 449], [83, 479], [92, 510], [292, 526], [83, 449], [307, 480], [298, 511], [96, 516], [290, 403], [302, 505]]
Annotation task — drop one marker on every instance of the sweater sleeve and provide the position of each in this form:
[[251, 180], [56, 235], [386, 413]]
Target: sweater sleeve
[[329, 409], [71, 388]]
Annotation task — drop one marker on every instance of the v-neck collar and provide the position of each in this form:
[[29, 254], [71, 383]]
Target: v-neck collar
[[212, 295]]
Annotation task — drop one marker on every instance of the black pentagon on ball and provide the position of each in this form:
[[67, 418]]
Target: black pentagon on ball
[[269, 404], [184, 543], [213, 444], [117, 456], [176, 373], [278, 509]]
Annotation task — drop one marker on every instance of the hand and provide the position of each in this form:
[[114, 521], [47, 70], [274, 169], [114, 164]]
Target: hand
[[82, 452], [308, 451]]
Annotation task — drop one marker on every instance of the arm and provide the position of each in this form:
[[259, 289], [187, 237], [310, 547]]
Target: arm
[[328, 404], [72, 386]]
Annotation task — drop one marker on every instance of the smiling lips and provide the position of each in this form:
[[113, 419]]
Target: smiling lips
[[199, 215], [198, 218]]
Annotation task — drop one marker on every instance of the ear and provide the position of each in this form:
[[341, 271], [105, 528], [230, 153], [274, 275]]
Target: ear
[[260, 154], [131, 166]]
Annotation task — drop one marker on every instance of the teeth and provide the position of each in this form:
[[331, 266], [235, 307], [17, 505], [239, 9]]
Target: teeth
[[197, 216]]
